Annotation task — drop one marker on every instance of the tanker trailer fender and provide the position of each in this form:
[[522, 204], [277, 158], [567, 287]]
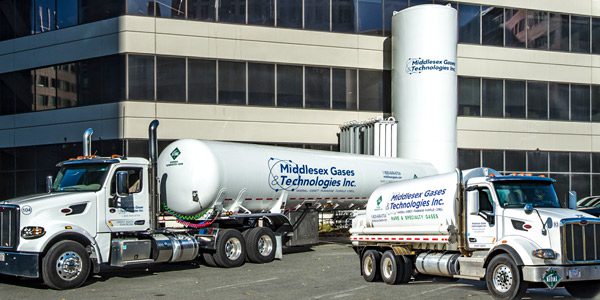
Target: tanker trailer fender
[[63, 231]]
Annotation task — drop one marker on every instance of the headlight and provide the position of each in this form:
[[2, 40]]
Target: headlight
[[544, 253], [32, 232]]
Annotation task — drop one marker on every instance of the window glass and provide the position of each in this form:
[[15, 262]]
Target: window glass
[[66, 13], [170, 9], [389, 7], [94, 10], [580, 183], [317, 87], [289, 86], [261, 84], [537, 161], [468, 159], [23, 22], [561, 187], [596, 185], [21, 83], [7, 20], [344, 89], [515, 99], [580, 34], [514, 27], [134, 180], [343, 15], [595, 103], [101, 80], [44, 16], [232, 11], [468, 96], [596, 163], [26, 183], [537, 29], [45, 88], [537, 100], [170, 79], [7, 159], [66, 88], [492, 159], [289, 13], [580, 162], [492, 20], [7, 95], [596, 35], [559, 162], [514, 161], [261, 12], [316, 15], [559, 32], [201, 10], [468, 23], [492, 97], [371, 90], [580, 102], [370, 17], [202, 81], [141, 77], [559, 101], [419, 2], [232, 82], [140, 7]]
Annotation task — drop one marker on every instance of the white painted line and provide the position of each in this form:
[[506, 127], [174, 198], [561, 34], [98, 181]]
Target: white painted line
[[241, 284], [431, 291], [340, 292]]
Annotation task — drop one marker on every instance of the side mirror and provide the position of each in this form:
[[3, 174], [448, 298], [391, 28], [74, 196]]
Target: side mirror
[[528, 208], [572, 200], [122, 184], [473, 202], [49, 181]]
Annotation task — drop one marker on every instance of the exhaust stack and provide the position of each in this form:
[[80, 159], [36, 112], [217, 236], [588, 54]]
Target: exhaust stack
[[87, 142], [153, 153]]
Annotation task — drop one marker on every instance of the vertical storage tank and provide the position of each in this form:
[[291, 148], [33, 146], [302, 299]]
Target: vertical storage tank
[[424, 84]]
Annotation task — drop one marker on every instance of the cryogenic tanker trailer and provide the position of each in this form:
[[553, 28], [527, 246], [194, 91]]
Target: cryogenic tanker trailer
[[233, 202]]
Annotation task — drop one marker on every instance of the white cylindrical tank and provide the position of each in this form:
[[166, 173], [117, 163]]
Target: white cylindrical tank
[[194, 175], [424, 84], [421, 206]]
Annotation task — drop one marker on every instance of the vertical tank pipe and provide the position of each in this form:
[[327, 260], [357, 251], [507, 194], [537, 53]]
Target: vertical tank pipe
[[153, 153]]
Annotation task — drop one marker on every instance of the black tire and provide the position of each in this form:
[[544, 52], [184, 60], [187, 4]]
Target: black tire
[[503, 278], [407, 268], [209, 260], [583, 289], [260, 245], [390, 268], [369, 265], [66, 265], [231, 249]]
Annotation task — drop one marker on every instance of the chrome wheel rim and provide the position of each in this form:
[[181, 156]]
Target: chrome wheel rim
[[233, 248], [387, 267], [368, 265], [265, 245], [69, 265], [503, 278]]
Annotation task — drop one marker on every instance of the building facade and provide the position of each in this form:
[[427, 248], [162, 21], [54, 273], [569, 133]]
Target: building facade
[[289, 72]]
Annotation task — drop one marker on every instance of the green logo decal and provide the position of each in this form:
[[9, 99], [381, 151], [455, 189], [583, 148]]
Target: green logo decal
[[379, 201], [175, 153], [551, 278]]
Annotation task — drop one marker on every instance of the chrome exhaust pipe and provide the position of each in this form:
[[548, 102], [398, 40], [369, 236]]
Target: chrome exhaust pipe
[[153, 153], [87, 142]]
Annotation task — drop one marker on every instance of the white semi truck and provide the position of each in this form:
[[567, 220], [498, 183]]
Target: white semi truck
[[232, 202], [507, 230]]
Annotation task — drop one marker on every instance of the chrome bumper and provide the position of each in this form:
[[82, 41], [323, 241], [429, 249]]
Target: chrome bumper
[[19, 264], [567, 273]]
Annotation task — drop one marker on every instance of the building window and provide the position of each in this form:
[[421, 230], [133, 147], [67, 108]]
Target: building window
[[101, 80], [202, 81], [468, 96], [468, 23], [559, 32], [559, 162], [317, 83], [492, 20], [201, 10], [316, 15], [170, 79], [537, 161], [141, 77], [170, 9], [515, 27], [370, 17], [289, 13], [580, 102], [596, 35], [232, 11], [595, 103], [94, 10], [371, 90], [515, 99], [261, 12], [537, 100], [389, 7], [232, 82], [537, 29], [580, 34], [343, 14], [141, 7], [559, 101], [492, 159], [66, 13], [468, 159], [343, 89], [492, 98], [515, 161], [289, 86], [261, 84]]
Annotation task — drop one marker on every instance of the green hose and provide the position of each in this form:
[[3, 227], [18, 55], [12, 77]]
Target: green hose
[[185, 217]]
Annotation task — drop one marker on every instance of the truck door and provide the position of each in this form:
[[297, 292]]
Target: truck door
[[129, 213], [481, 227]]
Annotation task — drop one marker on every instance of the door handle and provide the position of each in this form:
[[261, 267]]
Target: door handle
[[473, 240]]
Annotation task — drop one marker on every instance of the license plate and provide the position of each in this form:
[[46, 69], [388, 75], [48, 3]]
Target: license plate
[[574, 273], [2, 256]]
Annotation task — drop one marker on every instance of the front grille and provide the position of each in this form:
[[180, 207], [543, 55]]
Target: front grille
[[580, 240], [9, 227]]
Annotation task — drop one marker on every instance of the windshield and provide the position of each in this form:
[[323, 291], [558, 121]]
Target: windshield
[[80, 178], [516, 194]]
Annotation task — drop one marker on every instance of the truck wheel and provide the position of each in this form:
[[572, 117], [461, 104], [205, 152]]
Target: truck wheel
[[503, 278], [260, 245], [370, 265], [407, 268], [231, 249], [391, 271], [209, 260], [66, 265], [583, 289]]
